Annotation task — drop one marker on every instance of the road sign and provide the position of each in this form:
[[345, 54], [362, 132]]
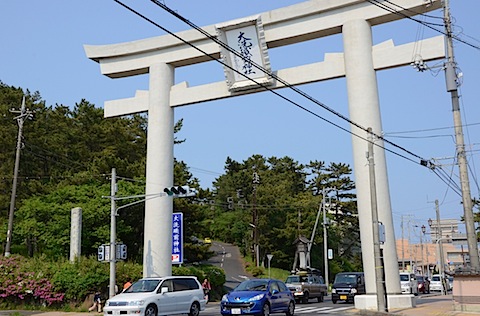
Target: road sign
[[107, 252], [177, 238]]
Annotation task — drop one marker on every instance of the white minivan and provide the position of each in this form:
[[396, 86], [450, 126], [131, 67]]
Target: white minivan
[[409, 283], [436, 283], [159, 296]]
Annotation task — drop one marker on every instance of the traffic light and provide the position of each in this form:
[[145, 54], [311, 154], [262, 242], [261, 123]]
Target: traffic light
[[101, 253], [180, 191], [121, 251]]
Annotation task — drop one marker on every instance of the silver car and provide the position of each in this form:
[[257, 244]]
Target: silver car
[[159, 296]]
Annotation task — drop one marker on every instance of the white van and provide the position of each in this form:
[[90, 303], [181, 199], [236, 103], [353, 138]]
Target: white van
[[436, 283], [159, 296], [408, 283]]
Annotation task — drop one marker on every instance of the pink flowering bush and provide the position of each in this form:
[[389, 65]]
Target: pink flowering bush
[[20, 287]]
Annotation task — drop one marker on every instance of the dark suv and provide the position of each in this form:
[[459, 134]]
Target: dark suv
[[347, 285]]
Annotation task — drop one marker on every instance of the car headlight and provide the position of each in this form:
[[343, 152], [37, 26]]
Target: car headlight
[[334, 290], [256, 297], [224, 298], [107, 303], [354, 290], [136, 303]]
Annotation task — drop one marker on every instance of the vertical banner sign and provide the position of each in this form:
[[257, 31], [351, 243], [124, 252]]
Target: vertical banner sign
[[246, 38], [177, 238]]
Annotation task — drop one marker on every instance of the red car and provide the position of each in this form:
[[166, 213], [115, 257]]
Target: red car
[[423, 284]]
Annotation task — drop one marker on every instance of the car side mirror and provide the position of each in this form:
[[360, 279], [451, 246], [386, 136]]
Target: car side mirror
[[274, 292], [164, 290]]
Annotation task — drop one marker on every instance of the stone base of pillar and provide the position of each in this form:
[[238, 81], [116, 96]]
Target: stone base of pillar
[[466, 296], [369, 302]]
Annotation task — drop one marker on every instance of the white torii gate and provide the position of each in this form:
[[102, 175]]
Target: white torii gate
[[159, 56]]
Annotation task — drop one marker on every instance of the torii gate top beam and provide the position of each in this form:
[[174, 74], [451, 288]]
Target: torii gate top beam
[[297, 23]]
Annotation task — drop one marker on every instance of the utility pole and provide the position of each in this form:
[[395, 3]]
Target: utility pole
[[422, 234], [256, 248], [403, 248], [440, 245], [24, 114], [325, 234], [451, 81], [113, 234], [379, 269]]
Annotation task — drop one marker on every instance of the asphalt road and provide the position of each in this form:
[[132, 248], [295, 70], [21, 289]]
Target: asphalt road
[[229, 259]]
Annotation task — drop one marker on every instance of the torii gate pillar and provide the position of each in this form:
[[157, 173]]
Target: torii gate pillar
[[364, 109], [157, 254]]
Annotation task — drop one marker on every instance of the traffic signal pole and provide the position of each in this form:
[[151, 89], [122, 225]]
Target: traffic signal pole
[[113, 234]]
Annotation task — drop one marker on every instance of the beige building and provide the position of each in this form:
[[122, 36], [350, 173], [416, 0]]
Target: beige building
[[421, 256]]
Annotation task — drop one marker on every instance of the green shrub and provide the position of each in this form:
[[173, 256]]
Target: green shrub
[[34, 283]]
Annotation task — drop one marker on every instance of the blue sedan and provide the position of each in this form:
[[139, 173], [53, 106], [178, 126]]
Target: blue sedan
[[258, 297]]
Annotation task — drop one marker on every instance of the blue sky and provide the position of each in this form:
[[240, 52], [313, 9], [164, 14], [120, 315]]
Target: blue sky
[[42, 50]]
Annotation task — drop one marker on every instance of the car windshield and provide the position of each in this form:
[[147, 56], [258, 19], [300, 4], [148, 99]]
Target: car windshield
[[420, 278], [436, 278], [346, 278], [296, 279], [143, 286], [252, 285], [293, 279], [404, 277]]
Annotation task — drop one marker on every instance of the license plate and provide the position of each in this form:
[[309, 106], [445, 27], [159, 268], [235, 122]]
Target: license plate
[[236, 311], [343, 297]]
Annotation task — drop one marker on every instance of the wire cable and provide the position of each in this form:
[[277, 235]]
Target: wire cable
[[264, 86], [429, 25], [285, 83]]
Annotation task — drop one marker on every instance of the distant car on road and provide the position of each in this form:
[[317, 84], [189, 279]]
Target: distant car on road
[[347, 285], [306, 284], [450, 282], [423, 284], [207, 240], [438, 283], [258, 297], [408, 283], [159, 296]]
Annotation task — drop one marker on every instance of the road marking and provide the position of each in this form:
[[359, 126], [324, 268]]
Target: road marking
[[338, 309], [312, 309], [302, 309]]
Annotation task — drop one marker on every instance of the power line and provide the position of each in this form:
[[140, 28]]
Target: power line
[[429, 129], [285, 83], [426, 24], [422, 161]]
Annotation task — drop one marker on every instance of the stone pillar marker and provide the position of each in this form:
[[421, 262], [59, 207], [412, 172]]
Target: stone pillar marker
[[75, 233]]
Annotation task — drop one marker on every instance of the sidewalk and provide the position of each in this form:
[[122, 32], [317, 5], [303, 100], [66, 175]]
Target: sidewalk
[[434, 305]]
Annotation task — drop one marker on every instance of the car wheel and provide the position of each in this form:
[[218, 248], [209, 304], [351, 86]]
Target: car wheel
[[320, 298], [291, 309], [151, 310], [334, 301], [194, 309], [266, 310], [306, 297]]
